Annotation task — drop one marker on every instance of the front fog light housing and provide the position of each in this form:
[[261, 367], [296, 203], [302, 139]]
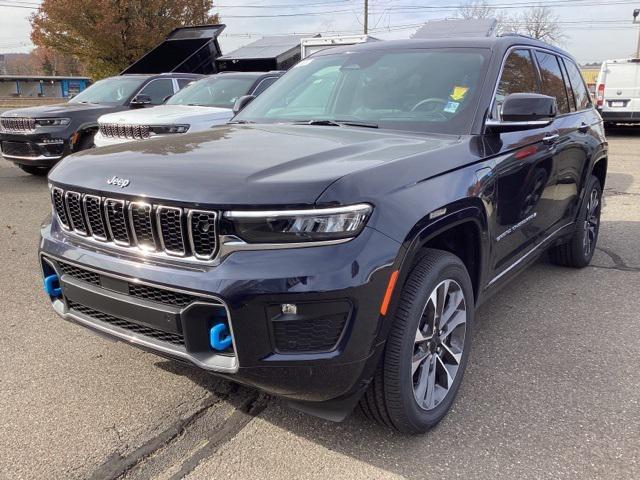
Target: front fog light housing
[[293, 226]]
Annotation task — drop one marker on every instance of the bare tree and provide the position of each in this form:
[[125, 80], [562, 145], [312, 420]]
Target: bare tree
[[480, 9], [538, 22], [476, 9]]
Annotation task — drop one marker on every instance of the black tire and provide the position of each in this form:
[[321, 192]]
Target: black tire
[[577, 252], [86, 141], [33, 170], [390, 399]]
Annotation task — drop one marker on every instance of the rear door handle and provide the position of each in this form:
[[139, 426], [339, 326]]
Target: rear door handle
[[584, 128], [551, 139]]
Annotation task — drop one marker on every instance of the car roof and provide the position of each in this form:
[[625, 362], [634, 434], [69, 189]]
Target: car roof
[[256, 75], [161, 75], [499, 43]]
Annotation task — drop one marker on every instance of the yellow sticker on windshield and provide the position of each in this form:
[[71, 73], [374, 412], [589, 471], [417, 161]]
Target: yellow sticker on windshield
[[459, 93]]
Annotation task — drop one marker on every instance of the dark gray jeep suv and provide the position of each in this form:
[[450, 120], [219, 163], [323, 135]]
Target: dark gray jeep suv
[[332, 244]]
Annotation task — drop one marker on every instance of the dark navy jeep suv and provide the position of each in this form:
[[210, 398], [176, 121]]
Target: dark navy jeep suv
[[332, 243]]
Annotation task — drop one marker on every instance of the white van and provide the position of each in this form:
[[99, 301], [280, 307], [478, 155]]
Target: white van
[[618, 91]]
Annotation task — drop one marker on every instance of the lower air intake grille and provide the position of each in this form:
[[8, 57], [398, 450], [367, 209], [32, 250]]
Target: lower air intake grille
[[173, 338], [314, 335], [80, 273], [158, 295]]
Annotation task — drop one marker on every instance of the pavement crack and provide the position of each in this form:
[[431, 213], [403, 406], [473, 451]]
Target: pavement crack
[[618, 262], [239, 419], [117, 465]]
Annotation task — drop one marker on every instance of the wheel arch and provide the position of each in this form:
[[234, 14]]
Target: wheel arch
[[449, 232], [600, 169]]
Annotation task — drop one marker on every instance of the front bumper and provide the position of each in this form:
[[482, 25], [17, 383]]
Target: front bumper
[[40, 149], [345, 281]]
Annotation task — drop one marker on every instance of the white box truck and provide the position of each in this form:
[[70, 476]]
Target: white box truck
[[618, 91]]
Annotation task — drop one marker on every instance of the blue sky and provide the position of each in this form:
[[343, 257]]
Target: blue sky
[[595, 29]]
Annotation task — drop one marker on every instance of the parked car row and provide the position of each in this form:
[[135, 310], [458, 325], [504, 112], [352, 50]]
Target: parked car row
[[331, 243]]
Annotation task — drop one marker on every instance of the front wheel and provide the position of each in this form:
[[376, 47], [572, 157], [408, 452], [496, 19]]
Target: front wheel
[[427, 349]]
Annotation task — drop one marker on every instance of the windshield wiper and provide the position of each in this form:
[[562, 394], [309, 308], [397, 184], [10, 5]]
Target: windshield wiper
[[338, 123], [242, 122]]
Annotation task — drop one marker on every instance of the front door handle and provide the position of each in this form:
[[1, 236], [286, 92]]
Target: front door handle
[[551, 139]]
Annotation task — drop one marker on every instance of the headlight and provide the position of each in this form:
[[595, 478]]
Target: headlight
[[166, 129], [291, 226], [52, 122]]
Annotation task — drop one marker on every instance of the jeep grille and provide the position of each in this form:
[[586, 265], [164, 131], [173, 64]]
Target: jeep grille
[[154, 229]]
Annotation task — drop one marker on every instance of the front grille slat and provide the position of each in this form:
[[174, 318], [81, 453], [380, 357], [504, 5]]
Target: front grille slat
[[76, 215], [94, 215], [18, 124], [203, 233], [117, 221], [141, 221], [159, 230], [170, 226], [115, 130], [57, 197]]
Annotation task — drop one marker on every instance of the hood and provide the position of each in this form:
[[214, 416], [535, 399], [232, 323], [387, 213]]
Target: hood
[[241, 164], [167, 115], [57, 110]]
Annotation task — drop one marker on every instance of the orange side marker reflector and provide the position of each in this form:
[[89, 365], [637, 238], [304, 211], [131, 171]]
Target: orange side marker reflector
[[387, 296]]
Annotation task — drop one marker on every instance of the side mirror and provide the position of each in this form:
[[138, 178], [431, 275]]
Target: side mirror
[[242, 102], [140, 100], [524, 111]]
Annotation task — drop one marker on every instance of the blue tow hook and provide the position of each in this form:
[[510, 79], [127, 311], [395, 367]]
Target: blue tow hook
[[52, 286], [219, 337]]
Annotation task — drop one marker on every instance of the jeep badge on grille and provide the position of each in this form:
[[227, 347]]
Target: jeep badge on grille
[[120, 182]]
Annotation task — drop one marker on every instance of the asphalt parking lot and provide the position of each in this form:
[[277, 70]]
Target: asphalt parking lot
[[552, 389]]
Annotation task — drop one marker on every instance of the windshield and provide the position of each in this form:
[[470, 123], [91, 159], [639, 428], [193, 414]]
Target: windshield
[[426, 90], [114, 90], [218, 91]]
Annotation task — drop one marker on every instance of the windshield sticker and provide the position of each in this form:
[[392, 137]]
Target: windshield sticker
[[459, 93], [451, 107]]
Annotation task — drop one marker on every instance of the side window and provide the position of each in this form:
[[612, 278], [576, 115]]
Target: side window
[[158, 90], [262, 86], [580, 92], [518, 76], [183, 82], [552, 81]]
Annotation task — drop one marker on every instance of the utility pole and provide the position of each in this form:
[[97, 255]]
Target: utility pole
[[636, 12], [366, 17]]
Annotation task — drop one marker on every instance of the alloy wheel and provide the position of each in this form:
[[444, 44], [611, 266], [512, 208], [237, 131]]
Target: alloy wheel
[[439, 344], [591, 222]]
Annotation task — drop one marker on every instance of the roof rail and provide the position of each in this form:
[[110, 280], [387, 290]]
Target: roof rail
[[513, 34]]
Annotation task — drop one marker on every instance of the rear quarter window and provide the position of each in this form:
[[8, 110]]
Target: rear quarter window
[[552, 80], [578, 87]]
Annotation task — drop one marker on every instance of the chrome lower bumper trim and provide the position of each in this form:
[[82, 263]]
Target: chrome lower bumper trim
[[221, 363], [39, 157]]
